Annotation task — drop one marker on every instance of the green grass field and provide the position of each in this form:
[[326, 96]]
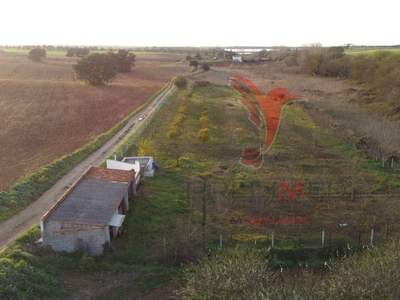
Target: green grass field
[[370, 50]]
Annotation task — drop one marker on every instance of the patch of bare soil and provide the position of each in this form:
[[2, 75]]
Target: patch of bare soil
[[270, 74]]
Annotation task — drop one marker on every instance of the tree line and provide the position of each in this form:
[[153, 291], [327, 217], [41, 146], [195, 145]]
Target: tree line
[[94, 68]]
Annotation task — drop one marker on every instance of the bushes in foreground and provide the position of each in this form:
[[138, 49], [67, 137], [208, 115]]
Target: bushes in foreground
[[243, 274]]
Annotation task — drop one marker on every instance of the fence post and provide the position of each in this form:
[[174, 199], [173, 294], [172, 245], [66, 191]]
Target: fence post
[[323, 239], [372, 237], [273, 241]]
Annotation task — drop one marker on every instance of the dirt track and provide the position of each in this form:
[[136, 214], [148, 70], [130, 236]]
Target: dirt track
[[31, 215]]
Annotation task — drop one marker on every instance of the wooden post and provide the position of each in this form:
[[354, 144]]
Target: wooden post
[[372, 237], [323, 239]]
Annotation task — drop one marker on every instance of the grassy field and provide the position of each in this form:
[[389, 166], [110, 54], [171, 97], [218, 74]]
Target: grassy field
[[369, 50], [47, 113], [164, 228]]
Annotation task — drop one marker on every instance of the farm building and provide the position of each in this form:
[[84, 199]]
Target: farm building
[[135, 167], [90, 213], [237, 58], [142, 163]]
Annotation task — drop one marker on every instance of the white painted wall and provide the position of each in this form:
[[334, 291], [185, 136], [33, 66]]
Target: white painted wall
[[118, 165]]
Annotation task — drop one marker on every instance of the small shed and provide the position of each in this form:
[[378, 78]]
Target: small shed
[[135, 167], [90, 213], [237, 58], [145, 162]]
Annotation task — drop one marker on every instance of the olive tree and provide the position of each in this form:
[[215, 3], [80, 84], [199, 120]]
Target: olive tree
[[36, 54], [96, 69]]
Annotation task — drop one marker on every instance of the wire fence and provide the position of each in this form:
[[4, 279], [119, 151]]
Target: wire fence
[[183, 247], [156, 105]]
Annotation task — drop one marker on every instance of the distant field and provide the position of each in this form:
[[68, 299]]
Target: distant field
[[46, 113], [369, 50]]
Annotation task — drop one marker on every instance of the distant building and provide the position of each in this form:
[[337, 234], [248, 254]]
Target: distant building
[[237, 58], [90, 213]]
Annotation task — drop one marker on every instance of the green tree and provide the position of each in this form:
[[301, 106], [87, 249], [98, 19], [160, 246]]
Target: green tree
[[180, 82], [203, 135], [335, 52], [70, 52], [229, 54], [96, 69], [20, 280], [81, 52], [204, 121], [37, 54], [194, 64], [205, 67], [147, 148], [312, 63], [175, 147], [125, 60]]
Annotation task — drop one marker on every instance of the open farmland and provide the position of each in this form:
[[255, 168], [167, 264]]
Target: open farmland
[[164, 228], [46, 113]]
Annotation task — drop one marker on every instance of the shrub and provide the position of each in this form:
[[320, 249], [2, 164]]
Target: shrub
[[291, 61], [312, 64], [19, 280], [336, 67], [203, 135], [205, 67], [180, 82], [228, 274]]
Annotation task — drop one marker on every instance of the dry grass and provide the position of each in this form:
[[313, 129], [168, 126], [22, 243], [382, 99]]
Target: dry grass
[[46, 113], [303, 151]]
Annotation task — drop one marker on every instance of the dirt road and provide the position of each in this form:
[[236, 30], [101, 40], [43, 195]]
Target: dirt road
[[13, 227]]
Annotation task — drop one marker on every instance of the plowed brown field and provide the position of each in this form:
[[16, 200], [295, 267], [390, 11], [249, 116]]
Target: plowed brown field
[[46, 113]]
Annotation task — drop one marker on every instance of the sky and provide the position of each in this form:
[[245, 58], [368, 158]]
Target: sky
[[198, 23]]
